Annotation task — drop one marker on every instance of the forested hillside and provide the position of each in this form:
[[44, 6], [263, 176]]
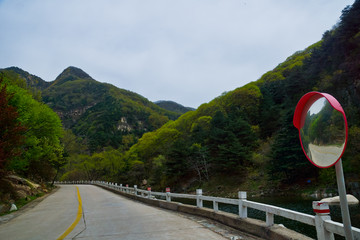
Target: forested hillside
[[247, 133], [30, 135], [98, 113], [173, 106]]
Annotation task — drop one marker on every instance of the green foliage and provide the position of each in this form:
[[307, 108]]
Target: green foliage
[[230, 141], [351, 158], [11, 131], [102, 114], [173, 106], [288, 160], [25, 80], [108, 165], [327, 176], [41, 150]]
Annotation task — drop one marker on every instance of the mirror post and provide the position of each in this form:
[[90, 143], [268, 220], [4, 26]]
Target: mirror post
[[343, 200], [308, 109]]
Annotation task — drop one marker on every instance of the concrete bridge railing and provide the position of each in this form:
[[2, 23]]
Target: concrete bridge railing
[[325, 227]]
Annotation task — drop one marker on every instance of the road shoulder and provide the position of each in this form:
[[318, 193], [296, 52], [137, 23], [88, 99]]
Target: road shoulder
[[8, 217]]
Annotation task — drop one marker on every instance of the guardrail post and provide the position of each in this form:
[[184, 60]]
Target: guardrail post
[[199, 201], [216, 206], [127, 188], [242, 208], [322, 212], [269, 219], [168, 196], [149, 192], [135, 190]]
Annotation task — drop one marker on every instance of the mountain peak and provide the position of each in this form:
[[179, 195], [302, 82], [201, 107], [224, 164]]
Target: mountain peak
[[173, 106], [72, 73]]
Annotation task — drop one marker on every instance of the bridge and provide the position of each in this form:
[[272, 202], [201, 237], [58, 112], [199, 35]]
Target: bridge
[[86, 210]]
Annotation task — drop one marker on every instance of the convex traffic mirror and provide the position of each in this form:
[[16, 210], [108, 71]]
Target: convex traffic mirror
[[322, 126]]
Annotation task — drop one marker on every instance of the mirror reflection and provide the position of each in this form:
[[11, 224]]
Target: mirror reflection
[[323, 134]]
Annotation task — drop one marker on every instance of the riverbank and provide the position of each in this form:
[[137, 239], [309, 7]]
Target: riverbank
[[262, 186]]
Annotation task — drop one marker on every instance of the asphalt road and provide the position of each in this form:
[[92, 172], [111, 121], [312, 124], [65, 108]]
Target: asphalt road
[[102, 215]]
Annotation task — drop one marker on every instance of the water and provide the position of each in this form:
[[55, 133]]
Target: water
[[293, 203]]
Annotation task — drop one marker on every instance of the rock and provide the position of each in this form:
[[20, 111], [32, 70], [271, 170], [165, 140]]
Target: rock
[[13, 207], [32, 184], [21, 193], [336, 200], [16, 179], [23, 187]]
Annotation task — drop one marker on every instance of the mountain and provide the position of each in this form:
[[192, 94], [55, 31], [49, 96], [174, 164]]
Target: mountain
[[173, 106], [31, 80], [100, 113]]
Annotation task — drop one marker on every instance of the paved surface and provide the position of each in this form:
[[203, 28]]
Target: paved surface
[[325, 155], [107, 216]]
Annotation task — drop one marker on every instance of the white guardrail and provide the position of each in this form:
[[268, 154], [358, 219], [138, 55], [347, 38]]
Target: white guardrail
[[325, 227]]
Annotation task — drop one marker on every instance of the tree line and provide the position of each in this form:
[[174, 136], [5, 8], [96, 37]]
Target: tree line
[[30, 134]]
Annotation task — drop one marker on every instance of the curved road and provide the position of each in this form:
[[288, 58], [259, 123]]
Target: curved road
[[104, 215]]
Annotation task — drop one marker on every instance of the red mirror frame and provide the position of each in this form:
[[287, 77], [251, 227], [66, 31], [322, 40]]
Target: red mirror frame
[[303, 107]]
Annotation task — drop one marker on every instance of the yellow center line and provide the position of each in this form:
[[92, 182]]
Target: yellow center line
[[78, 217]]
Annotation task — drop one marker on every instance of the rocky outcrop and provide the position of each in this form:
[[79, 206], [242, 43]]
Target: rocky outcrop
[[336, 200], [17, 188], [74, 113], [123, 125]]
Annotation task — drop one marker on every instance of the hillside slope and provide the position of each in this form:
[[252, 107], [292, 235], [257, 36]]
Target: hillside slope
[[102, 114], [173, 106]]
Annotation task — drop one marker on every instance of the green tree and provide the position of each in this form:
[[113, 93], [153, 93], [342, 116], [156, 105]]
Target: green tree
[[42, 150], [231, 141], [198, 160], [288, 160], [11, 130]]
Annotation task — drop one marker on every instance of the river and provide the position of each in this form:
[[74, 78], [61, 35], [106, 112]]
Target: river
[[293, 203]]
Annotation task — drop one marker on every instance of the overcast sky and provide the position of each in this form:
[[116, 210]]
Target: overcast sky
[[180, 50]]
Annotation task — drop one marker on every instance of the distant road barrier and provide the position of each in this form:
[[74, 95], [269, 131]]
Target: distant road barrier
[[325, 227]]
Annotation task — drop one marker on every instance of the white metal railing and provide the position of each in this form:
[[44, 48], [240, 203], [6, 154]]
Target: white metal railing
[[325, 227]]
